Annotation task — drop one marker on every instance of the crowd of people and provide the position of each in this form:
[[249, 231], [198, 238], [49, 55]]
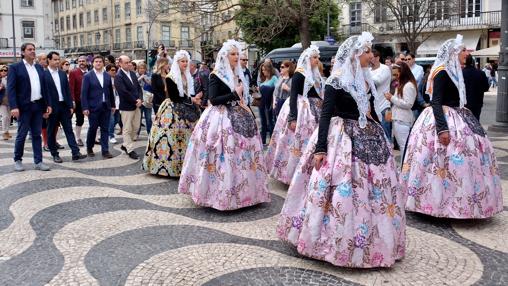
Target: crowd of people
[[331, 140]]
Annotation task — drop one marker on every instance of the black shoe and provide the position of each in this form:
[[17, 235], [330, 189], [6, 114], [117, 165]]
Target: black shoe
[[107, 155], [90, 153], [57, 159], [79, 156], [124, 149], [80, 143], [58, 146], [133, 155], [45, 148]]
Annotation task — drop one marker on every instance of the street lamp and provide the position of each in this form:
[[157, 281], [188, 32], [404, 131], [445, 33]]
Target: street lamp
[[501, 124], [13, 34]]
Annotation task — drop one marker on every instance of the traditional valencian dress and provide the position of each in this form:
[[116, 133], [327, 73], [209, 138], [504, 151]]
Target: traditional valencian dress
[[303, 106], [224, 166], [173, 125], [460, 180], [350, 212]]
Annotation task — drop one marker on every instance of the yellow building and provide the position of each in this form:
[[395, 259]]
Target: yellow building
[[121, 27]]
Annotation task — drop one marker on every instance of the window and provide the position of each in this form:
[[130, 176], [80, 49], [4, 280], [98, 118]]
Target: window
[[88, 17], [55, 7], [97, 38], [69, 42], [105, 38], [117, 11], [117, 36], [127, 10], [27, 3], [81, 40], [139, 8], [62, 23], [81, 4], [81, 20], [74, 6], [184, 33], [67, 6], [139, 33], [75, 41], [28, 29], [355, 13], [89, 39], [57, 27], [166, 34], [128, 35], [68, 22], [104, 14], [61, 9], [380, 14], [63, 42], [74, 22], [470, 8], [96, 16], [439, 9]]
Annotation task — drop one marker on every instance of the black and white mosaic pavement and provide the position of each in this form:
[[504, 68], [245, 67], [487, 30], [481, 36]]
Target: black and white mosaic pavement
[[106, 222]]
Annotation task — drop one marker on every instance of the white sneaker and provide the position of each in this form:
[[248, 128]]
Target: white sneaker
[[113, 140]]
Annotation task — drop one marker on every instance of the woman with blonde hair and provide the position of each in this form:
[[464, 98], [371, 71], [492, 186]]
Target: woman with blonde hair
[[174, 121], [224, 165], [160, 72]]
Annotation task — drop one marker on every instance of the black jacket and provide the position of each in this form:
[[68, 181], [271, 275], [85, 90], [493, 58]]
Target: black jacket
[[158, 89], [444, 93], [128, 91], [476, 84], [219, 93], [174, 94], [297, 84], [338, 103]]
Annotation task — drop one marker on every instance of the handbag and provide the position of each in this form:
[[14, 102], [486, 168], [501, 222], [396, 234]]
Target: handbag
[[147, 99], [256, 99]]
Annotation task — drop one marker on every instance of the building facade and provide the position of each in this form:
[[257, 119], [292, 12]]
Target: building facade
[[116, 27], [32, 23], [479, 21]]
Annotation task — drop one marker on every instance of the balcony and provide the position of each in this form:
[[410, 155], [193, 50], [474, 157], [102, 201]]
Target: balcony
[[116, 46], [168, 43], [186, 44], [127, 45], [436, 23], [139, 44]]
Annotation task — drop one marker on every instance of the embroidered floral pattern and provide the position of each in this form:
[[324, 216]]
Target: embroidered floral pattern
[[369, 144], [471, 121], [243, 121]]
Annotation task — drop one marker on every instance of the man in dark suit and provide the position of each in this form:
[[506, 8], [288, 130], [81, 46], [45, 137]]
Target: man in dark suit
[[476, 85], [29, 104], [130, 94], [57, 88], [98, 103], [75, 81]]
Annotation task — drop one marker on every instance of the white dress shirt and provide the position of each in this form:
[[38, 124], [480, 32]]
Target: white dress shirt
[[382, 77], [56, 80], [35, 82], [100, 77], [128, 74]]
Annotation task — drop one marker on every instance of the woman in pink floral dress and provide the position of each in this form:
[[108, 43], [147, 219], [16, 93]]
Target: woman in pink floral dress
[[297, 119], [450, 168], [224, 165], [344, 204]]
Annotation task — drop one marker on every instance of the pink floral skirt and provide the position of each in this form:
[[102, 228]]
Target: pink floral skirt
[[460, 180], [351, 212], [224, 166], [286, 146]]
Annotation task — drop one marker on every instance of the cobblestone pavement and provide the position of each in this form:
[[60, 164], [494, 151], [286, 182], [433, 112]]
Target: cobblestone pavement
[[105, 222]]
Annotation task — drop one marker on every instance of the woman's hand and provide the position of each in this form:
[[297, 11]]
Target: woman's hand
[[318, 161], [292, 125], [239, 90], [285, 87], [388, 96], [444, 138]]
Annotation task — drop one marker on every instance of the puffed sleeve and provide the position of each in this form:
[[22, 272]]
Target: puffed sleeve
[[214, 92], [331, 97], [297, 84], [439, 89]]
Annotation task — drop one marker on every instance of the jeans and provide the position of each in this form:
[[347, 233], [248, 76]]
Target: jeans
[[115, 119], [147, 112], [266, 116], [387, 126]]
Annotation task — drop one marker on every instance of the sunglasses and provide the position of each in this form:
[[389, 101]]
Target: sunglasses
[[66, 64], [3, 70], [283, 67], [113, 70], [244, 60]]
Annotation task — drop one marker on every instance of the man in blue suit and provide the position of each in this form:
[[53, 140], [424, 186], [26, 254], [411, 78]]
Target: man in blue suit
[[29, 104], [98, 102], [58, 90]]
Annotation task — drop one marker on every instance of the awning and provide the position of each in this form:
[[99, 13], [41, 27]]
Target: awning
[[492, 52], [432, 44]]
